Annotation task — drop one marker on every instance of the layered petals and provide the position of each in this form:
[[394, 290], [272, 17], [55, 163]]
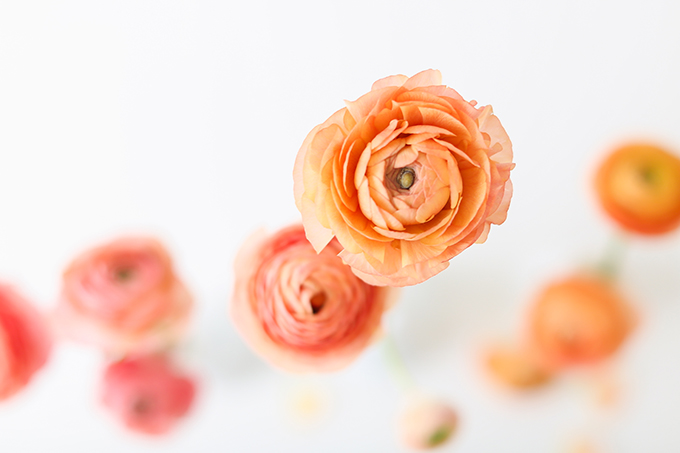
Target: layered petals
[[405, 177], [300, 310], [124, 297]]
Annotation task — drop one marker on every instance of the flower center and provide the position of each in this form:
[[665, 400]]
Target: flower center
[[317, 301], [439, 436], [406, 177], [124, 274], [141, 406]]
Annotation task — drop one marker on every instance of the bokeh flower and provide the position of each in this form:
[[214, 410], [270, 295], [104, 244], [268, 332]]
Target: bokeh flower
[[406, 177], [25, 341], [638, 185], [300, 310], [124, 297], [426, 423], [579, 319], [517, 367], [147, 393]]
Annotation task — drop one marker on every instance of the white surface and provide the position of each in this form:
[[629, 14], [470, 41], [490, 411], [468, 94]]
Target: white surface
[[182, 120]]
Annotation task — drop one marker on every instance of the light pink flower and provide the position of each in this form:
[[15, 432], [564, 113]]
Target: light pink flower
[[147, 393], [427, 424], [124, 297], [25, 341], [406, 177], [300, 310]]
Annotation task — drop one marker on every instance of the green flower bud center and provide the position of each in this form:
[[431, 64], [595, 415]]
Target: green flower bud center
[[406, 177]]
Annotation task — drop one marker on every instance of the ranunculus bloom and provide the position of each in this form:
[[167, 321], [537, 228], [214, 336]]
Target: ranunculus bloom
[[300, 310], [147, 393], [517, 367], [427, 424], [25, 341], [124, 297], [639, 187], [405, 177], [580, 319]]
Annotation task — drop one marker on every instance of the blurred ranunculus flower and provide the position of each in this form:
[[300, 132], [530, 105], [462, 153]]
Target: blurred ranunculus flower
[[577, 320], [425, 424], [406, 177], [25, 341], [638, 185], [300, 310], [124, 297], [517, 367], [147, 393]]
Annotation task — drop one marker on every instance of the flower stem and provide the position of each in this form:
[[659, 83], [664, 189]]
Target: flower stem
[[610, 265], [396, 365]]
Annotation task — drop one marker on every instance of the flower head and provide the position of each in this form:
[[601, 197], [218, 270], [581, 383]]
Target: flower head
[[147, 393], [638, 185], [124, 297], [300, 310], [405, 177], [579, 319], [25, 342], [427, 424]]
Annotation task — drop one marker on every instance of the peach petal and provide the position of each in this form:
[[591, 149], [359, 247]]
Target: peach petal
[[425, 78], [391, 81]]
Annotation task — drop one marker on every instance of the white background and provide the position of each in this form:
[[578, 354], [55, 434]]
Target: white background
[[181, 119]]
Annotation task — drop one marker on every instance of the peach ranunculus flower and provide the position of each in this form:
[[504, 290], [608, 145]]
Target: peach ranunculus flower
[[147, 393], [124, 297], [638, 185], [300, 310], [406, 177], [25, 342], [426, 423]]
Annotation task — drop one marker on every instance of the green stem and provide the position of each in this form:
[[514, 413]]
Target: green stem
[[610, 265], [396, 365]]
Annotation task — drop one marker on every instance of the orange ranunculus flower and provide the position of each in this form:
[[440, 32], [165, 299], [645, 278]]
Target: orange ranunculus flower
[[577, 320], [124, 297], [405, 177], [300, 310], [25, 342], [639, 187], [517, 367]]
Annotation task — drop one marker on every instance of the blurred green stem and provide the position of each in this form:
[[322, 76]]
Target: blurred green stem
[[396, 365], [610, 265]]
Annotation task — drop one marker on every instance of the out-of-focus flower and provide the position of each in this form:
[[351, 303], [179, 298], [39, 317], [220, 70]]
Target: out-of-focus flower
[[638, 185], [425, 424], [147, 393], [406, 177], [124, 297], [579, 319], [516, 367], [25, 341], [300, 310]]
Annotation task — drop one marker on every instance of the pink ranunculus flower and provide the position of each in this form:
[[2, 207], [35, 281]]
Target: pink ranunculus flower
[[147, 393], [426, 423], [25, 341], [406, 177], [124, 297], [300, 310]]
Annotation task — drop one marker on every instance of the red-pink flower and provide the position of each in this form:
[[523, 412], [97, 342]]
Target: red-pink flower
[[25, 341], [124, 297], [147, 393], [300, 310]]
